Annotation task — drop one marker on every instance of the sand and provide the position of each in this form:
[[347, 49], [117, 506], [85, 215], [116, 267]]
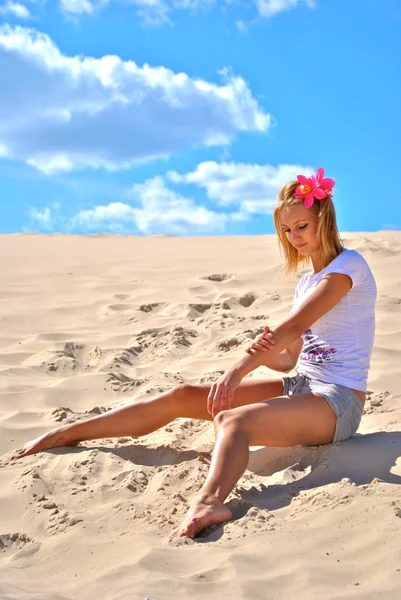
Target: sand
[[91, 323]]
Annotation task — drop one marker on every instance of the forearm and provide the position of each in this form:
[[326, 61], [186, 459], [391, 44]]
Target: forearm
[[284, 335], [282, 362]]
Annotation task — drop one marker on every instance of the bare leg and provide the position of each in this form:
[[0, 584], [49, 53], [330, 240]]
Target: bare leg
[[135, 419], [285, 421], [144, 416], [229, 461]]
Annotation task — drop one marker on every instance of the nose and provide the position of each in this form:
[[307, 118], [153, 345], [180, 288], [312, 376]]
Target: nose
[[295, 237]]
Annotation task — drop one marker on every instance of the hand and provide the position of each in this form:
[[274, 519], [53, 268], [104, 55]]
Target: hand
[[263, 342], [221, 395]]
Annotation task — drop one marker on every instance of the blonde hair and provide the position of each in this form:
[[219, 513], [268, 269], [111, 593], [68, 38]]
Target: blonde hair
[[327, 231]]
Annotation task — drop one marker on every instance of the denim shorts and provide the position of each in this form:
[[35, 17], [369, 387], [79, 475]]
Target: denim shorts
[[345, 404]]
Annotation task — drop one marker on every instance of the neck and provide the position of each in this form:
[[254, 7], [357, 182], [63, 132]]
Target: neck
[[317, 261]]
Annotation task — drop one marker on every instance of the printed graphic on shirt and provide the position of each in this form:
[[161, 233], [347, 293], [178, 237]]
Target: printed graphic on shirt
[[312, 351]]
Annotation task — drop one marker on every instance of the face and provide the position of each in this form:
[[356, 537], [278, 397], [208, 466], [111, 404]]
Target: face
[[300, 226]]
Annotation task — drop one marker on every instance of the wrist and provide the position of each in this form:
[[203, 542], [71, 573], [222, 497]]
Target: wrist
[[252, 360]]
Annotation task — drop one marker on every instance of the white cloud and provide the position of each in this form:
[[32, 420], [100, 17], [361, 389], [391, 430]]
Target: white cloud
[[111, 217], [156, 210], [3, 151], [238, 192], [251, 187], [106, 112], [270, 8], [156, 12], [17, 10], [79, 7], [46, 218]]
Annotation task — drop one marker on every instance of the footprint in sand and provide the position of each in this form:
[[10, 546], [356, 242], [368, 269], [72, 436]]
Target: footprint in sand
[[121, 296], [58, 520], [195, 310], [252, 333], [149, 307], [228, 344], [235, 341], [254, 519], [247, 300], [18, 545], [218, 277], [121, 307], [211, 377], [122, 383], [136, 482], [126, 357], [94, 355], [72, 357], [65, 414], [160, 342]]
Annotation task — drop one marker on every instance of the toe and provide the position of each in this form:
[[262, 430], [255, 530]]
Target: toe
[[193, 524]]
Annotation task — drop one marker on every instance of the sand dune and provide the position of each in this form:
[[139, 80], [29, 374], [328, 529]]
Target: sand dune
[[91, 323]]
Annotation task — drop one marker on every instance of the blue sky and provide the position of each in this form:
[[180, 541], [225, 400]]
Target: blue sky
[[185, 117]]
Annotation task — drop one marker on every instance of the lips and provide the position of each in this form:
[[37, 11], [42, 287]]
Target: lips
[[301, 246]]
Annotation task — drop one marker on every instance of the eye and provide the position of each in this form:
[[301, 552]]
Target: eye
[[299, 227]]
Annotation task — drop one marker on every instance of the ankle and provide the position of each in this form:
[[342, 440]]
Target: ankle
[[208, 498], [63, 434]]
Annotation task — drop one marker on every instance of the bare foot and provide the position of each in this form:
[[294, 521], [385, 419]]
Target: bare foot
[[201, 514], [53, 439]]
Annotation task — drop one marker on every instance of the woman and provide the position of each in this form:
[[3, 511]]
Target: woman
[[328, 336]]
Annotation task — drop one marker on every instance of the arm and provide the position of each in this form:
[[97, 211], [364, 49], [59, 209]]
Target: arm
[[285, 361], [330, 290]]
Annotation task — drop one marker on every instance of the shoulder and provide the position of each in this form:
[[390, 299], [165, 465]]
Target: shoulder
[[348, 257], [351, 263]]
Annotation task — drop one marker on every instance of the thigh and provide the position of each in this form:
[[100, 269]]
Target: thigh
[[192, 399], [288, 421]]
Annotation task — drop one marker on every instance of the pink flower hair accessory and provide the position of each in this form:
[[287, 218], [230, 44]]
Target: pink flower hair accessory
[[314, 187]]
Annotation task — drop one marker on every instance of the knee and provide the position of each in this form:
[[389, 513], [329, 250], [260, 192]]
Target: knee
[[183, 393], [183, 390], [227, 419]]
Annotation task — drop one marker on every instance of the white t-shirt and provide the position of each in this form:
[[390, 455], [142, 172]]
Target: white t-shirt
[[338, 346]]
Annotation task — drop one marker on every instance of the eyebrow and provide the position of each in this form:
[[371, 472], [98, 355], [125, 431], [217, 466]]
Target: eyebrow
[[299, 221]]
